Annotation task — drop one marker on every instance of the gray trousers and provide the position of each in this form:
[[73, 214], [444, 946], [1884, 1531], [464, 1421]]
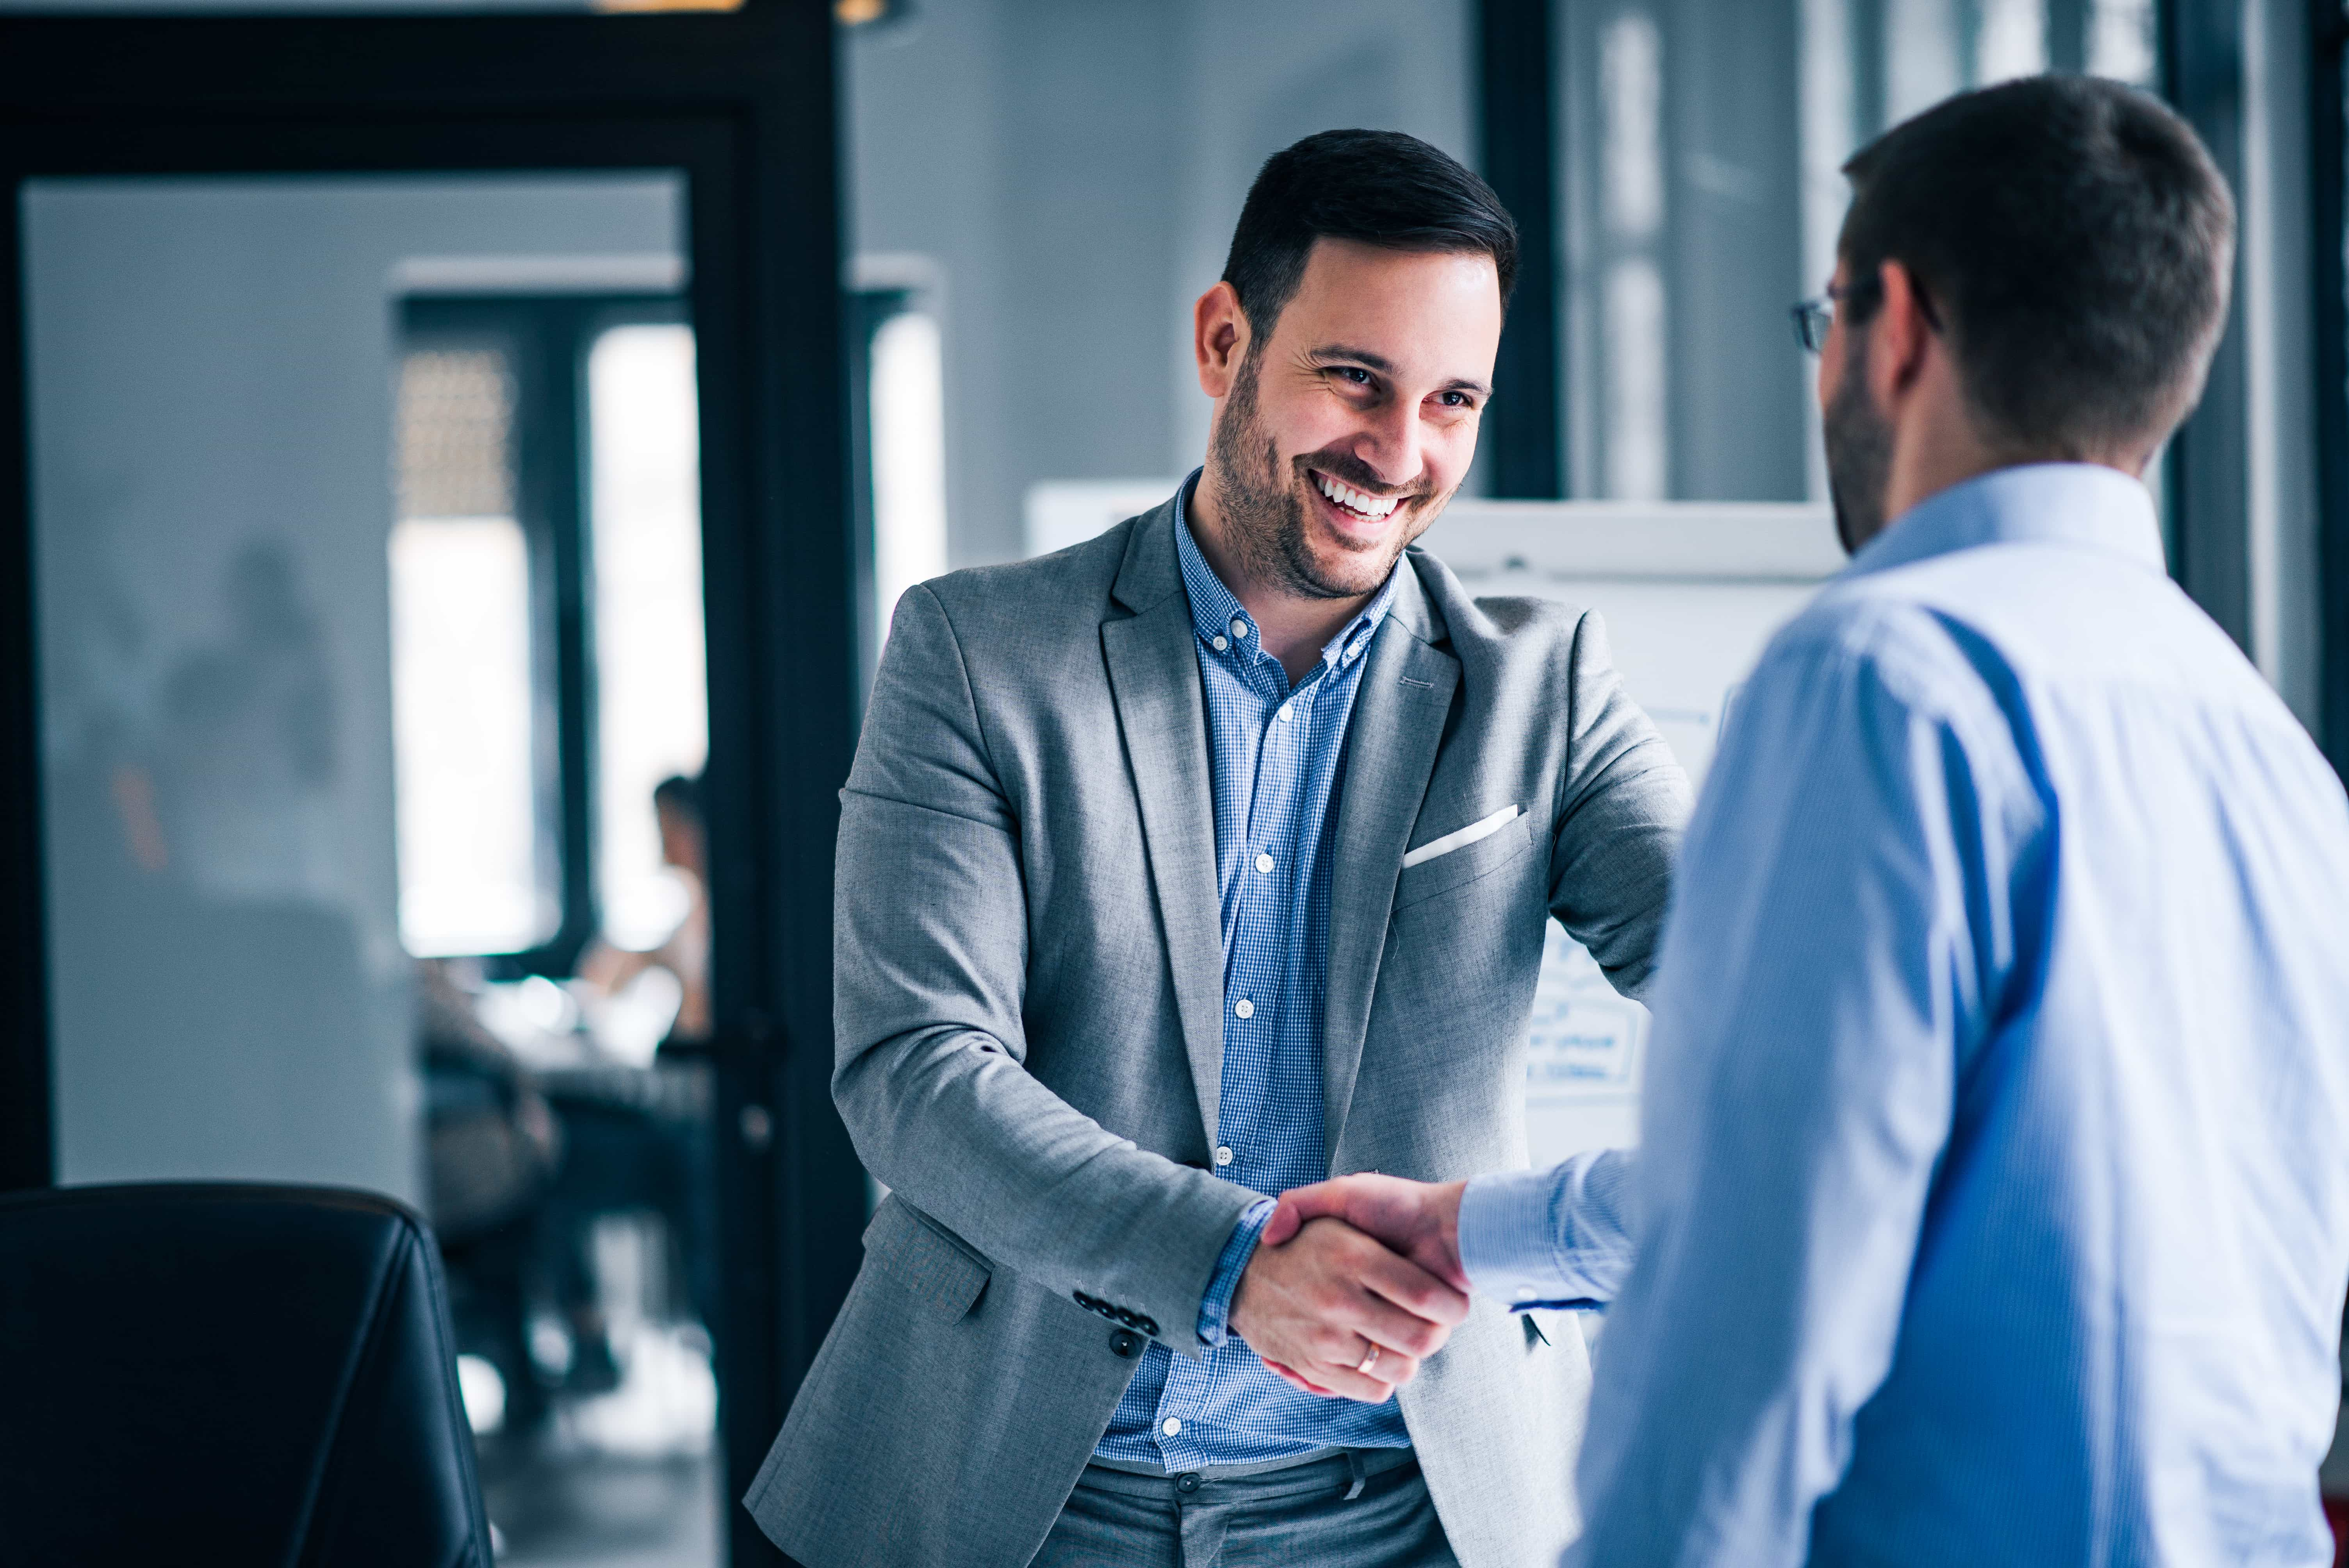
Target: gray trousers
[[1352, 1511]]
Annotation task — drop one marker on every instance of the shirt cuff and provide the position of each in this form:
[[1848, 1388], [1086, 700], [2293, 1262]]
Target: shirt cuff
[[1215, 1311], [1554, 1238]]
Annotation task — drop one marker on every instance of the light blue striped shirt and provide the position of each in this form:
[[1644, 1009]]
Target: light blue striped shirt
[[1992, 1204]]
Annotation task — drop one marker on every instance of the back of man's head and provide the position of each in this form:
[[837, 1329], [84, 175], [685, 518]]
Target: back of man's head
[[2075, 240], [1372, 187], [679, 796]]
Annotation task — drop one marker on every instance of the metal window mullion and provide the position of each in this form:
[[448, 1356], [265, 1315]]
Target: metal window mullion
[[2328, 228], [558, 427], [1519, 150], [2210, 461]]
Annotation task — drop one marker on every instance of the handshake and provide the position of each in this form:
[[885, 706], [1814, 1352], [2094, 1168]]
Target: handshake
[[1354, 1283]]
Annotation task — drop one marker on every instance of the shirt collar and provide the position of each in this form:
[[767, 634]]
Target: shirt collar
[[1222, 622], [2085, 505]]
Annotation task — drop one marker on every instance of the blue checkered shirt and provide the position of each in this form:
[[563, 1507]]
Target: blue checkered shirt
[[1277, 753]]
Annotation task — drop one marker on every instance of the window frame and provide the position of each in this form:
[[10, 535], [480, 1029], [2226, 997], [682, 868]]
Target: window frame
[[2328, 163], [746, 104], [549, 336], [1517, 131]]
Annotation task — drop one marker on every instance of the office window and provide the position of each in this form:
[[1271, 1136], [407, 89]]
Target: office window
[[897, 425], [1700, 192], [472, 874], [908, 440], [652, 712], [548, 645]]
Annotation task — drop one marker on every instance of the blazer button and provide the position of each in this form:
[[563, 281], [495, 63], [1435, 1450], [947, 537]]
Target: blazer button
[[1123, 1344]]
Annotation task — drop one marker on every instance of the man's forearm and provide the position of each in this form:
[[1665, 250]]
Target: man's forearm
[[1554, 1238]]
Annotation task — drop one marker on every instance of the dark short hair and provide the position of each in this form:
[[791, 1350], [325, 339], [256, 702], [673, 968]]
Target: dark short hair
[[2074, 239], [1373, 187], [682, 795]]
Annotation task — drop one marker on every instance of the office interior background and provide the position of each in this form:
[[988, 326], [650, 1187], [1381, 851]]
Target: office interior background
[[456, 461]]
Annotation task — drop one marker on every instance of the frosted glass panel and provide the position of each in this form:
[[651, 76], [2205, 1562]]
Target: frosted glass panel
[[304, 585]]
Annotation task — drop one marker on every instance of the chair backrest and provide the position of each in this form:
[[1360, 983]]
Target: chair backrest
[[203, 1373]]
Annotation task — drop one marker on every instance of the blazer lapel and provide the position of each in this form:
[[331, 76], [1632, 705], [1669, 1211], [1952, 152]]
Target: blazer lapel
[[1392, 742], [1154, 672]]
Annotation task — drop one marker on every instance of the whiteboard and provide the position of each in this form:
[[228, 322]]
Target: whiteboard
[[1690, 592]]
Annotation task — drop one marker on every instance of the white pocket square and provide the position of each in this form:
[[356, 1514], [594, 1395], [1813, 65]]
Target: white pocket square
[[1460, 838]]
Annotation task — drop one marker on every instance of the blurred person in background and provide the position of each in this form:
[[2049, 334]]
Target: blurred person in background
[[1992, 1203], [685, 952], [524, 1165], [636, 1141]]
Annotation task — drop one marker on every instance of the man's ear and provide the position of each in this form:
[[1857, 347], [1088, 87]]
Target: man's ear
[[1219, 339], [1899, 337]]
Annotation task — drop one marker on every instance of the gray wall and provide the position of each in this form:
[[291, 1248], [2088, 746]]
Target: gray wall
[[211, 364], [1073, 170]]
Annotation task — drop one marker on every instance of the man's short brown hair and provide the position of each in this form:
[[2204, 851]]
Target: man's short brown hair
[[2075, 240], [1375, 187]]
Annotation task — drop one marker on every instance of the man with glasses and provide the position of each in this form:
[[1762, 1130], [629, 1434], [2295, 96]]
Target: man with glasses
[[1992, 1204]]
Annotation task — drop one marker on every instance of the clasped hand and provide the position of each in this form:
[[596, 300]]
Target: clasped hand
[[1348, 1264]]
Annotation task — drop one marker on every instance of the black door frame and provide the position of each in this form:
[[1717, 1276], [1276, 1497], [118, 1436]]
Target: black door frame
[[744, 105], [1516, 72], [2209, 466], [2328, 163]]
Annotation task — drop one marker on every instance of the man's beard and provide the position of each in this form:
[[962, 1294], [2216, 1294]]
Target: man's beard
[[1263, 516], [1859, 453]]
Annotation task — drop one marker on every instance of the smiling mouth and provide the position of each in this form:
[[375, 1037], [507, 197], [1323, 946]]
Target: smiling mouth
[[1354, 502]]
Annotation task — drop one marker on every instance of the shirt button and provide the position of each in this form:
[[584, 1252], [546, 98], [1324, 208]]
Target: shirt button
[[1263, 861], [1239, 627], [1244, 1007], [1287, 717], [1223, 1154], [1171, 1427], [1221, 642]]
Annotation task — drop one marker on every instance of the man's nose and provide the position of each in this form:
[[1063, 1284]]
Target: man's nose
[[1389, 445]]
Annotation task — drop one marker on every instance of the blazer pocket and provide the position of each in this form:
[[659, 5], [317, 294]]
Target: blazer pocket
[[929, 1261], [1465, 864]]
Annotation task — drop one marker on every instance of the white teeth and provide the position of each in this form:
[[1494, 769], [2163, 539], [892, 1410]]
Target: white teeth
[[1355, 501]]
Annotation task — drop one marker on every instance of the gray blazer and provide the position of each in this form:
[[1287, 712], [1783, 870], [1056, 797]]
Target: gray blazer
[[1027, 974]]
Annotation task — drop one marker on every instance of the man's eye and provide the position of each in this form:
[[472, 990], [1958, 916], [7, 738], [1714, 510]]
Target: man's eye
[[1457, 401], [1354, 374]]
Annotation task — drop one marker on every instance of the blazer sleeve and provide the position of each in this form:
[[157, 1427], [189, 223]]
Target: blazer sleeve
[[929, 970], [1623, 801]]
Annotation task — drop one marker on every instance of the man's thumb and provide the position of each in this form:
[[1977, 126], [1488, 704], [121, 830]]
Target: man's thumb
[[1286, 1222]]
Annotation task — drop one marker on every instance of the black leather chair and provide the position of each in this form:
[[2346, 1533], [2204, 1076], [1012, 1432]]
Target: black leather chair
[[229, 1374]]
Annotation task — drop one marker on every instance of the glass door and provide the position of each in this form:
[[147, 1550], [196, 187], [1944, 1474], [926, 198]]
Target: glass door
[[373, 710]]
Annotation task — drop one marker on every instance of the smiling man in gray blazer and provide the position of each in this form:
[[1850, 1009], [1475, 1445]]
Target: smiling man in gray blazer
[[1196, 863]]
